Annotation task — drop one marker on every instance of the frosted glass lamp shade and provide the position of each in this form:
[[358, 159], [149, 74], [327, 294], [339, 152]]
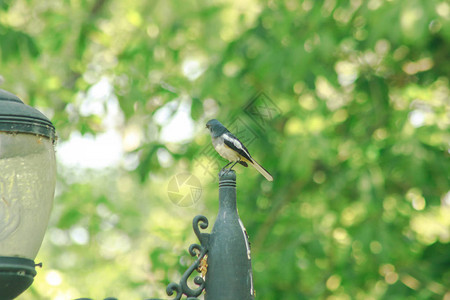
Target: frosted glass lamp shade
[[27, 185]]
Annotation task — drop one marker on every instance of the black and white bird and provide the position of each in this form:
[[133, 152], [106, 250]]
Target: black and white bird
[[231, 148]]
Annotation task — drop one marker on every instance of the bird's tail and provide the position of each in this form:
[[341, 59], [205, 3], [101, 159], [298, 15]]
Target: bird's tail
[[261, 170]]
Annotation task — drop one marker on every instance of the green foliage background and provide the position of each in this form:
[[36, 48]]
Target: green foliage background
[[360, 204]]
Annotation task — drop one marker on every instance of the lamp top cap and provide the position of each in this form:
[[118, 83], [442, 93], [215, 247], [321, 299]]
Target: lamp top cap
[[7, 96], [15, 116]]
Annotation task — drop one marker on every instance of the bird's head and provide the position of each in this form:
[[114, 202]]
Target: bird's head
[[215, 127]]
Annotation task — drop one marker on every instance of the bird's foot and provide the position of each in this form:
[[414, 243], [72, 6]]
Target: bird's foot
[[223, 171]]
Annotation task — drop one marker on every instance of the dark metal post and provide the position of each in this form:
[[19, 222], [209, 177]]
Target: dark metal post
[[229, 267], [229, 275]]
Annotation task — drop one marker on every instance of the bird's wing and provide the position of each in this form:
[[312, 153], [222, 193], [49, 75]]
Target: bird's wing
[[235, 144]]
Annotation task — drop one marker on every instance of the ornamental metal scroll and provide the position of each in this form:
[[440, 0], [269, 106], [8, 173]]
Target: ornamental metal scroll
[[200, 251]]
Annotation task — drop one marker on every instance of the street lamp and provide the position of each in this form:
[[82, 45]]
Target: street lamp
[[27, 185]]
